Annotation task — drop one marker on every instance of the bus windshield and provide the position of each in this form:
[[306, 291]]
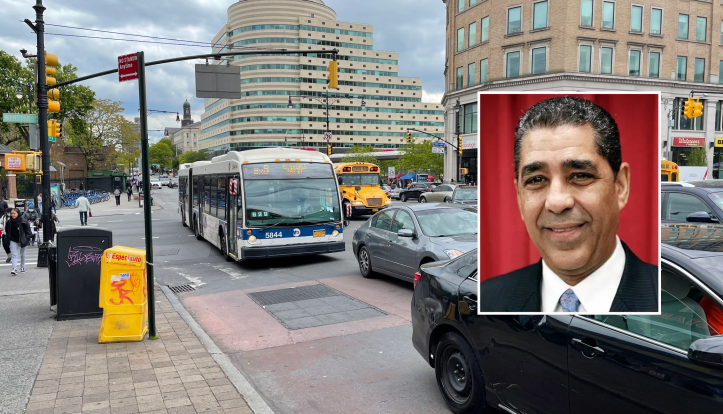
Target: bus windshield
[[359, 179], [298, 194]]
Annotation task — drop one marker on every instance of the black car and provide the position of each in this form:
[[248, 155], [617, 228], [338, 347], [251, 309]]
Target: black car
[[415, 190], [670, 363], [698, 201]]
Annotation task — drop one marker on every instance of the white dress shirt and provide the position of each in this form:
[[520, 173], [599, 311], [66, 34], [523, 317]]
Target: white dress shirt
[[596, 292]]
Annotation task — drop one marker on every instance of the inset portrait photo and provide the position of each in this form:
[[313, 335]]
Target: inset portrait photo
[[569, 207]]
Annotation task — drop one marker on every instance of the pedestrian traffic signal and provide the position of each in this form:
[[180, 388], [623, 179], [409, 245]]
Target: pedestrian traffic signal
[[333, 76], [328, 149], [697, 109], [689, 108], [53, 128], [459, 145], [51, 60], [409, 137], [462, 171]]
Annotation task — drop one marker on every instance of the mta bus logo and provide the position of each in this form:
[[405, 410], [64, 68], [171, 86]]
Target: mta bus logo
[[297, 232]]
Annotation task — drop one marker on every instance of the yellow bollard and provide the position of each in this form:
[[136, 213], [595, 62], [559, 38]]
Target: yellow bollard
[[123, 295]]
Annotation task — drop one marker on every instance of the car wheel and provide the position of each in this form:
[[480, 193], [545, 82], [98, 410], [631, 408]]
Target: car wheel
[[447, 199], [422, 199], [403, 198], [459, 375], [365, 263], [196, 230]]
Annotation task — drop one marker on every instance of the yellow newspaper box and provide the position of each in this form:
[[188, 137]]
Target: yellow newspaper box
[[123, 295]]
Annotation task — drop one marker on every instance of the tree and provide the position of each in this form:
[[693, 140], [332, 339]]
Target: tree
[[13, 74], [127, 148], [361, 149], [193, 156], [698, 157], [101, 127], [418, 158], [162, 153]]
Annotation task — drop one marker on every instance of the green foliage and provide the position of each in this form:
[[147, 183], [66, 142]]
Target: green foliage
[[162, 153], [698, 157], [418, 158], [367, 150], [192, 156], [12, 74], [102, 126]]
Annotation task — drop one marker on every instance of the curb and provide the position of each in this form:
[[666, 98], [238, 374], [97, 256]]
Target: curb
[[253, 399]]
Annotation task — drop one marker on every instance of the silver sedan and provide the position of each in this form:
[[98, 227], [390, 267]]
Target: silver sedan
[[398, 240]]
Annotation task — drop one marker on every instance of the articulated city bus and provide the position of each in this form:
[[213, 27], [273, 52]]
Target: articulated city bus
[[360, 188], [263, 203]]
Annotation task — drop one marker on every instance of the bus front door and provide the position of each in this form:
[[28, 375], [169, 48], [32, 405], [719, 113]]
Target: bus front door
[[234, 195]]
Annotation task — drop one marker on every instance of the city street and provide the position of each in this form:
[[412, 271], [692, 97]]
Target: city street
[[351, 353]]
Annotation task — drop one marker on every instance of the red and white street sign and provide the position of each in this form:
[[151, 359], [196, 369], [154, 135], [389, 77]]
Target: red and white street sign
[[127, 67], [327, 136]]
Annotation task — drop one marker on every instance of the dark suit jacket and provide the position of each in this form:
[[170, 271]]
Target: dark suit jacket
[[520, 290]]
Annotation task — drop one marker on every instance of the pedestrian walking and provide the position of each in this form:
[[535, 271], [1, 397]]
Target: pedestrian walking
[[40, 204], [54, 226], [130, 192], [19, 232], [83, 208], [52, 201], [6, 236], [117, 196]]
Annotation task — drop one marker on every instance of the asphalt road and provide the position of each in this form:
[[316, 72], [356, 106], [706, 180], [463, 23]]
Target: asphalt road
[[365, 363]]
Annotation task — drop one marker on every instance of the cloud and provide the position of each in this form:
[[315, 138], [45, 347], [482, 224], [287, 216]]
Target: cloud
[[413, 28]]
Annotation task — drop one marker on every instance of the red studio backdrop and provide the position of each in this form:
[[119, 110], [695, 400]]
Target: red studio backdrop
[[504, 243]]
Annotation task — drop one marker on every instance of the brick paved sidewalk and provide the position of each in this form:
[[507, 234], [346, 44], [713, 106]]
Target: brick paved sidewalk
[[174, 374]]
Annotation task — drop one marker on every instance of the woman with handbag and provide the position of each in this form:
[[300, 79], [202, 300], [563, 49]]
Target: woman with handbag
[[20, 235]]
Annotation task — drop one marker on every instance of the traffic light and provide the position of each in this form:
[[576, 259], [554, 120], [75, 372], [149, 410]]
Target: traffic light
[[328, 149], [60, 129], [333, 76], [459, 145], [53, 128], [697, 109], [689, 108], [51, 61], [409, 137]]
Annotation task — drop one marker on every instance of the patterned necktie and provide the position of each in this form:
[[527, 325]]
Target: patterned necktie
[[569, 301]]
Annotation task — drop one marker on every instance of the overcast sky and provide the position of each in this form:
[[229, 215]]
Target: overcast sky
[[413, 28]]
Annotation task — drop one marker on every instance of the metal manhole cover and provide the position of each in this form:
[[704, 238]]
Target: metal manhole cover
[[167, 252], [181, 288], [272, 297]]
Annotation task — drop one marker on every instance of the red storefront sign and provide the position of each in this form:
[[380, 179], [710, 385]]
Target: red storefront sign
[[688, 142]]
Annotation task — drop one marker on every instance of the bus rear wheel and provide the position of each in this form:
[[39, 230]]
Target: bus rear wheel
[[224, 249], [196, 229]]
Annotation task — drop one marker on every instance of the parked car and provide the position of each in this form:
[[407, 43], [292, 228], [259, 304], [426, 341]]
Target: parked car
[[466, 195], [397, 240], [156, 184], [415, 190], [387, 189], [394, 194], [440, 194], [699, 201], [596, 363]]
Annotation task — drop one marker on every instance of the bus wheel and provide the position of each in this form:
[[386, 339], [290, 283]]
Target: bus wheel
[[196, 230], [224, 249]]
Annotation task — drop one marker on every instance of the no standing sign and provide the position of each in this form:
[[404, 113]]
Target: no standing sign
[[127, 67]]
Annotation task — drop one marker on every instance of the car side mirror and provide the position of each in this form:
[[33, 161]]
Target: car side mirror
[[707, 352], [358, 188], [405, 233], [700, 217]]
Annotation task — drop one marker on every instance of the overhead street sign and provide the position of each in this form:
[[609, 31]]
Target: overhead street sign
[[21, 118], [127, 67], [327, 136], [438, 148]]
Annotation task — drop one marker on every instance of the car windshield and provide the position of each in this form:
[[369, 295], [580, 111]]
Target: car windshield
[[447, 221], [465, 195]]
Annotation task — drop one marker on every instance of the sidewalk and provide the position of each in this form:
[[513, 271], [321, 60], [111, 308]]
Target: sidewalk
[[174, 374], [69, 217]]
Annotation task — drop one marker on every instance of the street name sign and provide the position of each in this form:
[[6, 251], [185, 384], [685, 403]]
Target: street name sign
[[21, 118], [51, 139], [127, 67], [438, 148]]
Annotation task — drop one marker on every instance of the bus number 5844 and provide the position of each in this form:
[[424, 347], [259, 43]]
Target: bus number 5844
[[273, 235]]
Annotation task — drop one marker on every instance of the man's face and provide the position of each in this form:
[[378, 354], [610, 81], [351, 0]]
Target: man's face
[[569, 198]]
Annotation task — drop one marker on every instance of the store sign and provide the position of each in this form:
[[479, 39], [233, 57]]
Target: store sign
[[688, 142], [469, 143], [719, 142]]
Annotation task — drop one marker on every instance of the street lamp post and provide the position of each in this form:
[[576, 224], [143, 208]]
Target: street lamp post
[[459, 150], [19, 95]]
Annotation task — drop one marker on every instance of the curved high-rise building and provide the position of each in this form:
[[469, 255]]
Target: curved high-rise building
[[262, 118]]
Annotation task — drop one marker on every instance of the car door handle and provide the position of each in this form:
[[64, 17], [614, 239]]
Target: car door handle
[[471, 301], [582, 345]]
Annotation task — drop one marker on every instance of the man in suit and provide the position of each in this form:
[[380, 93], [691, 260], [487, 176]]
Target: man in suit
[[571, 185]]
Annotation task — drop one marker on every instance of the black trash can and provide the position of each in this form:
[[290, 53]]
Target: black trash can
[[79, 253], [43, 255]]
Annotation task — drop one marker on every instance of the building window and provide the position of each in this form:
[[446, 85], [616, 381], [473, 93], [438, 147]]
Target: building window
[[699, 75], [472, 34], [585, 58], [608, 18], [513, 65], [460, 78], [606, 60], [586, 13], [681, 67], [470, 74], [470, 118], [460, 6], [700, 25], [460, 39], [681, 122], [483, 70], [656, 21], [485, 30], [720, 72], [654, 65], [539, 60], [514, 20], [472, 3], [634, 63], [636, 19], [539, 15], [682, 26]]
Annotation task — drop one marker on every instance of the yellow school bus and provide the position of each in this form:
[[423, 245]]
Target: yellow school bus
[[359, 188], [669, 171]]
